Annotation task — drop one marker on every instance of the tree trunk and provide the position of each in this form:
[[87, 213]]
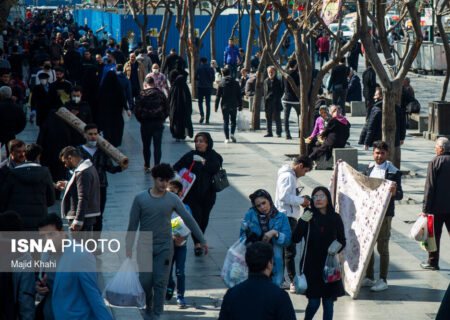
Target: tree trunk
[[389, 124], [193, 49], [163, 28], [447, 55], [259, 92], [166, 36], [212, 35], [251, 37], [5, 7]]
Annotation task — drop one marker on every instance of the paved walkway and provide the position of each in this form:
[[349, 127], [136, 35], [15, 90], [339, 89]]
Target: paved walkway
[[252, 163]]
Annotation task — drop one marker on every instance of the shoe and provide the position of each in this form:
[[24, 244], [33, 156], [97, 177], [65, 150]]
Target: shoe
[[427, 266], [207, 122], [201, 120], [292, 288], [233, 139], [198, 251], [368, 282], [285, 285], [181, 303], [268, 135], [288, 137], [227, 141], [279, 135], [147, 169], [169, 293], [381, 285]]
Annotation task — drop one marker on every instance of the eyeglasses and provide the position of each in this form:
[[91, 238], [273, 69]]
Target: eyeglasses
[[319, 196]]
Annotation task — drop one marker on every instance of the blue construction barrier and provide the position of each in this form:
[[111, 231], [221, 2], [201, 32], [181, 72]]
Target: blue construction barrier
[[51, 3], [120, 25]]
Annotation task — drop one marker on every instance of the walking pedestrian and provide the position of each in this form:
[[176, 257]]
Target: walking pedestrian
[[338, 84], [152, 109], [323, 43], [436, 197], [135, 72], [232, 58], [382, 168], [323, 231], [273, 92], [369, 78], [160, 79], [40, 103], [290, 99], [180, 106], [205, 164], [230, 99], [263, 222], [354, 87], [16, 157], [205, 76], [288, 202], [12, 118], [151, 212]]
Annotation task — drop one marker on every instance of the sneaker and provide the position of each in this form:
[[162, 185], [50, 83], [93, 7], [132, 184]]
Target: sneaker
[[427, 266], [268, 135], [147, 169], [285, 285], [201, 120], [288, 137], [233, 139], [169, 293], [292, 288], [181, 303], [226, 141], [368, 282], [381, 285], [279, 135]]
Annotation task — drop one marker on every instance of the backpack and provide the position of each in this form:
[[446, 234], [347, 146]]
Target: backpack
[[413, 107], [151, 104]]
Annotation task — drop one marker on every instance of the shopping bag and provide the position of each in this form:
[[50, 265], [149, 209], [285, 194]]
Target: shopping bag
[[419, 230], [332, 269], [179, 228], [234, 269], [243, 124], [430, 243], [124, 289], [187, 180], [300, 283]]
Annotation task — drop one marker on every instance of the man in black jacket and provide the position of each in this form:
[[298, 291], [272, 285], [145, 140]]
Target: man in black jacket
[[40, 103], [102, 162], [28, 189], [257, 297], [204, 75], [381, 168], [338, 84], [230, 94], [290, 99], [16, 157], [436, 197], [12, 118], [273, 92], [81, 109], [59, 90], [369, 79]]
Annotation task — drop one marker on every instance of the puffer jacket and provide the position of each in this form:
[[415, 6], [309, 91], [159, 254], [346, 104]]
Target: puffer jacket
[[279, 223], [29, 190]]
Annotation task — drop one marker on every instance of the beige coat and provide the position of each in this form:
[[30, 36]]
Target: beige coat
[[141, 72]]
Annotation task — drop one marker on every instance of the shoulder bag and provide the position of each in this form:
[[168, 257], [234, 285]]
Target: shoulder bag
[[300, 282], [220, 180]]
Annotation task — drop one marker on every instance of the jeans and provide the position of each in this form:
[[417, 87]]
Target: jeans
[[206, 94], [383, 250], [151, 129], [313, 306], [287, 111], [290, 251], [227, 115], [233, 70], [179, 259], [339, 96]]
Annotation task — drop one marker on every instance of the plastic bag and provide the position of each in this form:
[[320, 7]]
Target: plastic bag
[[332, 269], [430, 242], [179, 228], [419, 230], [124, 289], [242, 122], [234, 269]]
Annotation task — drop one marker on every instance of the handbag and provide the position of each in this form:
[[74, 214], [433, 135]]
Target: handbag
[[220, 180], [300, 283], [413, 107]]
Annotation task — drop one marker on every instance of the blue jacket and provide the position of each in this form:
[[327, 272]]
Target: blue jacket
[[281, 224], [354, 89], [230, 55], [126, 88], [76, 295], [205, 76]]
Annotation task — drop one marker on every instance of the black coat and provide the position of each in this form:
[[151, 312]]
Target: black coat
[[72, 61], [203, 186], [437, 193], [180, 104], [336, 134], [41, 103], [354, 56], [289, 94], [84, 114], [324, 229], [28, 190], [369, 79], [111, 105], [59, 91], [256, 298], [12, 120], [5, 167], [273, 91], [339, 77], [229, 94]]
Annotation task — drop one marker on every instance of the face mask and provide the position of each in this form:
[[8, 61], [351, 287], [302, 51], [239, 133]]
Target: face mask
[[92, 144], [76, 99], [43, 82], [155, 71]]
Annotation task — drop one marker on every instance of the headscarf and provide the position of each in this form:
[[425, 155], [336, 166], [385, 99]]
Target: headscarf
[[263, 218]]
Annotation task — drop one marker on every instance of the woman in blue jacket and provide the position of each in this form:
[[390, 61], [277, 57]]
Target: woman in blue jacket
[[263, 222]]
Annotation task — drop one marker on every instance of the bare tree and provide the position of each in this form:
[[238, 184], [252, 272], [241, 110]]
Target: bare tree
[[136, 8], [391, 79], [302, 28], [5, 7], [443, 9], [251, 33]]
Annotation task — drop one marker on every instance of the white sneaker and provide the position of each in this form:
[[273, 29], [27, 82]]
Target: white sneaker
[[381, 285], [368, 282], [285, 285], [233, 139], [292, 288], [227, 141]]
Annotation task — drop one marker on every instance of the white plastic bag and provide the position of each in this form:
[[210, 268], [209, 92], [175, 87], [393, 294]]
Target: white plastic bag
[[124, 289], [179, 228], [419, 230], [242, 122], [235, 269]]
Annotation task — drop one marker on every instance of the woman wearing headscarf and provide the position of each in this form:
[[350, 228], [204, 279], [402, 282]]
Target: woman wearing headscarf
[[263, 222], [112, 103], [180, 104], [336, 134], [201, 197], [323, 231]]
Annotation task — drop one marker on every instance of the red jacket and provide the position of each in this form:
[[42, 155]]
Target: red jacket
[[323, 44]]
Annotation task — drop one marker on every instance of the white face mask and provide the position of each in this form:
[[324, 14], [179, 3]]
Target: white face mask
[[76, 99], [155, 71], [92, 144], [43, 82]]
